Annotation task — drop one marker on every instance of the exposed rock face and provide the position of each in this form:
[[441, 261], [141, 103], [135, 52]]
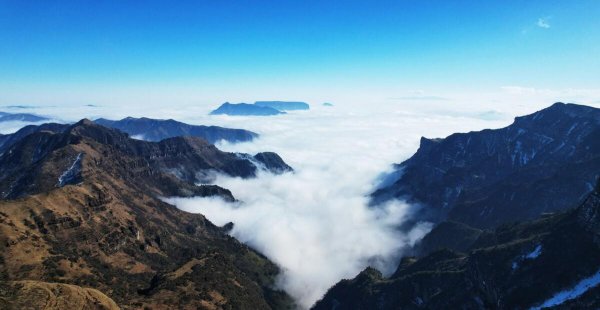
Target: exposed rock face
[[284, 105], [241, 109], [490, 177], [38, 161], [514, 267], [105, 227], [158, 129]]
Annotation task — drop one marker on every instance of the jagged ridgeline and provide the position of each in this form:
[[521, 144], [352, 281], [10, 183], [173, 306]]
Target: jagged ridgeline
[[81, 223], [544, 162]]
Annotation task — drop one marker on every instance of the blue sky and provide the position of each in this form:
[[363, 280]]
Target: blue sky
[[238, 49]]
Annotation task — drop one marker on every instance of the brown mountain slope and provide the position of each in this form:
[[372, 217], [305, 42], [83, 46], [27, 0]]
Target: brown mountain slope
[[51, 296], [103, 226]]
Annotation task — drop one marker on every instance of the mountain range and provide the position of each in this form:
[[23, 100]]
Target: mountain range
[[284, 105], [22, 117], [259, 108], [83, 223], [156, 130], [244, 109], [34, 163]]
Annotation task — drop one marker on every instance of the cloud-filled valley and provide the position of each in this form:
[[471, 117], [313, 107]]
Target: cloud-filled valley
[[315, 223]]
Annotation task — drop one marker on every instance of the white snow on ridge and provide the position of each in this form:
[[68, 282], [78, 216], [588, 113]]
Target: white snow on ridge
[[535, 253], [70, 173], [578, 290], [139, 137]]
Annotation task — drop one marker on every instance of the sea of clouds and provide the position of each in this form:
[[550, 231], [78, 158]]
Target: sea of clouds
[[316, 223]]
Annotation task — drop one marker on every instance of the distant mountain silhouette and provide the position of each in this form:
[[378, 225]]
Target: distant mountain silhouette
[[23, 117], [157, 129], [284, 105], [244, 109]]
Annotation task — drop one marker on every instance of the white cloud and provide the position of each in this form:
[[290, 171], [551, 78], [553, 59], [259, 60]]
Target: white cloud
[[546, 95], [519, 90], [315, 223], [543, 22]]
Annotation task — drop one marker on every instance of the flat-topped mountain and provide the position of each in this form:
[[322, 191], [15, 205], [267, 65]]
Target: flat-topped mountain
[[284, 105], [90, 225], [23, 117], [490, 177], [158, 129], [241, 109], [550, 262]]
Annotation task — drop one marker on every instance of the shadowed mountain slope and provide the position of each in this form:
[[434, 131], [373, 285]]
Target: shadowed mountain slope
[[553, 261], [490, 177]]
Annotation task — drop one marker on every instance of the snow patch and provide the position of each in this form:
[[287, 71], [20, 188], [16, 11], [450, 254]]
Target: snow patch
[[578, 290], [70, 174], [535, 253]]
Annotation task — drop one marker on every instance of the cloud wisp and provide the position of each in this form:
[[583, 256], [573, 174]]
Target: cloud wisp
[[543, 22]]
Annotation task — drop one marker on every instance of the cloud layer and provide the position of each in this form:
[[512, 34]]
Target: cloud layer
[[315, 223]]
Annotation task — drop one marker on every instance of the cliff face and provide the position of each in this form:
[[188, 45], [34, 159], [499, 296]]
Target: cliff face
[[87, 213], [490, 177]]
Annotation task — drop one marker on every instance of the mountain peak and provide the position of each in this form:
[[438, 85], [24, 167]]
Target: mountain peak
[[84, 122], [558, 110]]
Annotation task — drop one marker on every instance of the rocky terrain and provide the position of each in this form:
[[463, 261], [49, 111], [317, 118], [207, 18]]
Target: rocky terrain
[[82, 224], [549, 262], [157, 129], [491, 177]]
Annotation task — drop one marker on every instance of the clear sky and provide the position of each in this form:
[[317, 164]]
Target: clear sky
[[80, 51]]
